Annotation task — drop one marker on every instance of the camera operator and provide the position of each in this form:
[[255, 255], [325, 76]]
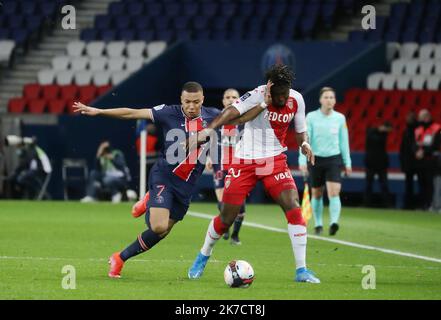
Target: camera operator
[[33, 168], [111, 173]]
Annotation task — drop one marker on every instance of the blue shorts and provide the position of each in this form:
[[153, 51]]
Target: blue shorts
[[169, 192]]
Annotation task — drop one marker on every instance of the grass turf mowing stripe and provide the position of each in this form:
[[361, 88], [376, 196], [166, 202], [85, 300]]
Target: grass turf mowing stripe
[[346, 243]]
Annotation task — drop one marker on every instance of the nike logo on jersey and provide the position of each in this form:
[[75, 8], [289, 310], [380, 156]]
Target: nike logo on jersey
[[279, 117]]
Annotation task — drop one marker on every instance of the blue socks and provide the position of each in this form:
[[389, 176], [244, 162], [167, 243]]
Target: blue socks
[[317, 210], [334, 209], [145, 241]]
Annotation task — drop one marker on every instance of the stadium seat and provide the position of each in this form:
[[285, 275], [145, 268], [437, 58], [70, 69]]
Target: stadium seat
[[437, 67], [418, 82], [408, 50], [64, 77], [389, 81], [56, 106], [392, 50], [374, 80], [82, 78], [76, 48], [60, 63], [103, 89], [403, 82], [17, 105], [437, 53], [411, 67], [37, 106], [134, 64], [6, 50], [155, 48], [119, 76], [101, 78], [426, 51], [68, 92], [32, 91], [434, 82], [79, 63], [98, 63], [116, 64], [427, 67], [50, 91], [115, 49], [95, 48], [46, 76], [398, 66], [87, 93]]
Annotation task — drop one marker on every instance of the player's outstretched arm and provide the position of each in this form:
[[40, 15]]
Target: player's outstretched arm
[[119, 113], [302, 141], [247, 116]]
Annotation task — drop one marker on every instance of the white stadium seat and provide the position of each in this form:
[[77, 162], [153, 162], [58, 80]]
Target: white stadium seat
[[134, 64], [119, 76], [374, 80], [75, 48], [398, 66], [64, 77], [408, 50], [6, 50], [61, 62], [437, 54], [392, 50], [411, 67], [426, 51], [46, 76], [136, 49], [98, 63], [116, 64], [427, 67], [155, 48], [389, 81], [403, 82], [83, 77], [438, 67], [79, 63], [101, 78], [95, 48], [115, 48], [418, 82], [434, 82]]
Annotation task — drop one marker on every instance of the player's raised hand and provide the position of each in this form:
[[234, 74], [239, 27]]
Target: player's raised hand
[[86, 110], [267, 96]]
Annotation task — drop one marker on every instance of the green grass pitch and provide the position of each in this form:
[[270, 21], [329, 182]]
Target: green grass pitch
[[37, 239]]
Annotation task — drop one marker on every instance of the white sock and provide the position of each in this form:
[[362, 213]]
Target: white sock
[[210, 240], [297, 234]]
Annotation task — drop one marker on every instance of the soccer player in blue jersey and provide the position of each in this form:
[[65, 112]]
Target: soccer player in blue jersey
[[328, 134], [172, 179]]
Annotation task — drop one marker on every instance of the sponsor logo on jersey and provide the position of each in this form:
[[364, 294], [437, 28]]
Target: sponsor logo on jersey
[[279, 117], [283, 175], [245, 96]]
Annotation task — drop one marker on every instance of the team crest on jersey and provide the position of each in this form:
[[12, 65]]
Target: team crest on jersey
[[227, 183], [204, 124], [290, 103]]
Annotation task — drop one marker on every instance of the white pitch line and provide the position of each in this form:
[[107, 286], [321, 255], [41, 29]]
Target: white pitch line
[[346, 243]]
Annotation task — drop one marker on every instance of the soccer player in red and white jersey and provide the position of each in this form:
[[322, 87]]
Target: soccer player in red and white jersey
[[260, 156]]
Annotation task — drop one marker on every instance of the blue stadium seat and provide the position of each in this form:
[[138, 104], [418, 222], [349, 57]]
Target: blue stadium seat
[[255, 25], [427, 36], [328, 12], [117, 8], [307, 25], [9, 7], [392, 36], [161, 23], [20, 36], [202, 35], [181, 23], [126, 34], [172, 9], [228, 9], [153, 9], [103, 22], [4, 34], [209, 9], [135, 8], [165, 35], [108, 35], [269, 34], [201, 23], [238, 23], [220, 23], [16, 21], [236, 35], [262, 10], [48, 9], [183, 35], [141, 22], [348, 6], [144, 35], [28, 7], [219, 35], [279, 9], [246, 9], [409, 35], [89, 35], [34, 22], [122, 22]]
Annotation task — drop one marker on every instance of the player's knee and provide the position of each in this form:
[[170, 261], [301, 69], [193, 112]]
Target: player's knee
[[159, 228]]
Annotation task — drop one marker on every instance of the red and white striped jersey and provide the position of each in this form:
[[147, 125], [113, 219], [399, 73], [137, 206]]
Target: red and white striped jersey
[[264, 136]]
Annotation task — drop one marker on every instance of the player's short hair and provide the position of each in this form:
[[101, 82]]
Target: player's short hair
[[280, 75], [231, 89], [326, 89], [192, 87]]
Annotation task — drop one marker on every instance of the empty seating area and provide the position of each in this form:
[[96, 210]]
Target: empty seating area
[[25, 21], [174, 20], [6, 51], [415, 21], [54, 99], [416, 67], [364, 108], [99, 63]]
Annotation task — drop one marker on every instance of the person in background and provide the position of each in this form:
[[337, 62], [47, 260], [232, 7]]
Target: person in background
[[29, 176], [377, 161], [436, 203], [111, 173], [425, 164], [408, 159]]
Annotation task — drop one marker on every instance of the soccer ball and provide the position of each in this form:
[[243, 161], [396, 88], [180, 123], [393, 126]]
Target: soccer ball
[[239, 274]]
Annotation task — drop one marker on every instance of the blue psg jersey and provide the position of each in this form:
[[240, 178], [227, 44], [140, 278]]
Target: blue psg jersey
[[176, 127]]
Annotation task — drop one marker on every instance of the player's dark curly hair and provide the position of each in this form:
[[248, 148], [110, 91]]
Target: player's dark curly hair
[[281, 75]]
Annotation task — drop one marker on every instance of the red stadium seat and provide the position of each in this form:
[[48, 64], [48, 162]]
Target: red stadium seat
[[32, 91], [395, 97], [51, 91], [17, 105], [352, 96], [410, 99], [427, 99], [37, 105], [69, 108], [365, 98], [68, 92], [103, 89], [380, 97], [388, 113], [57, 106], [87, 93]]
